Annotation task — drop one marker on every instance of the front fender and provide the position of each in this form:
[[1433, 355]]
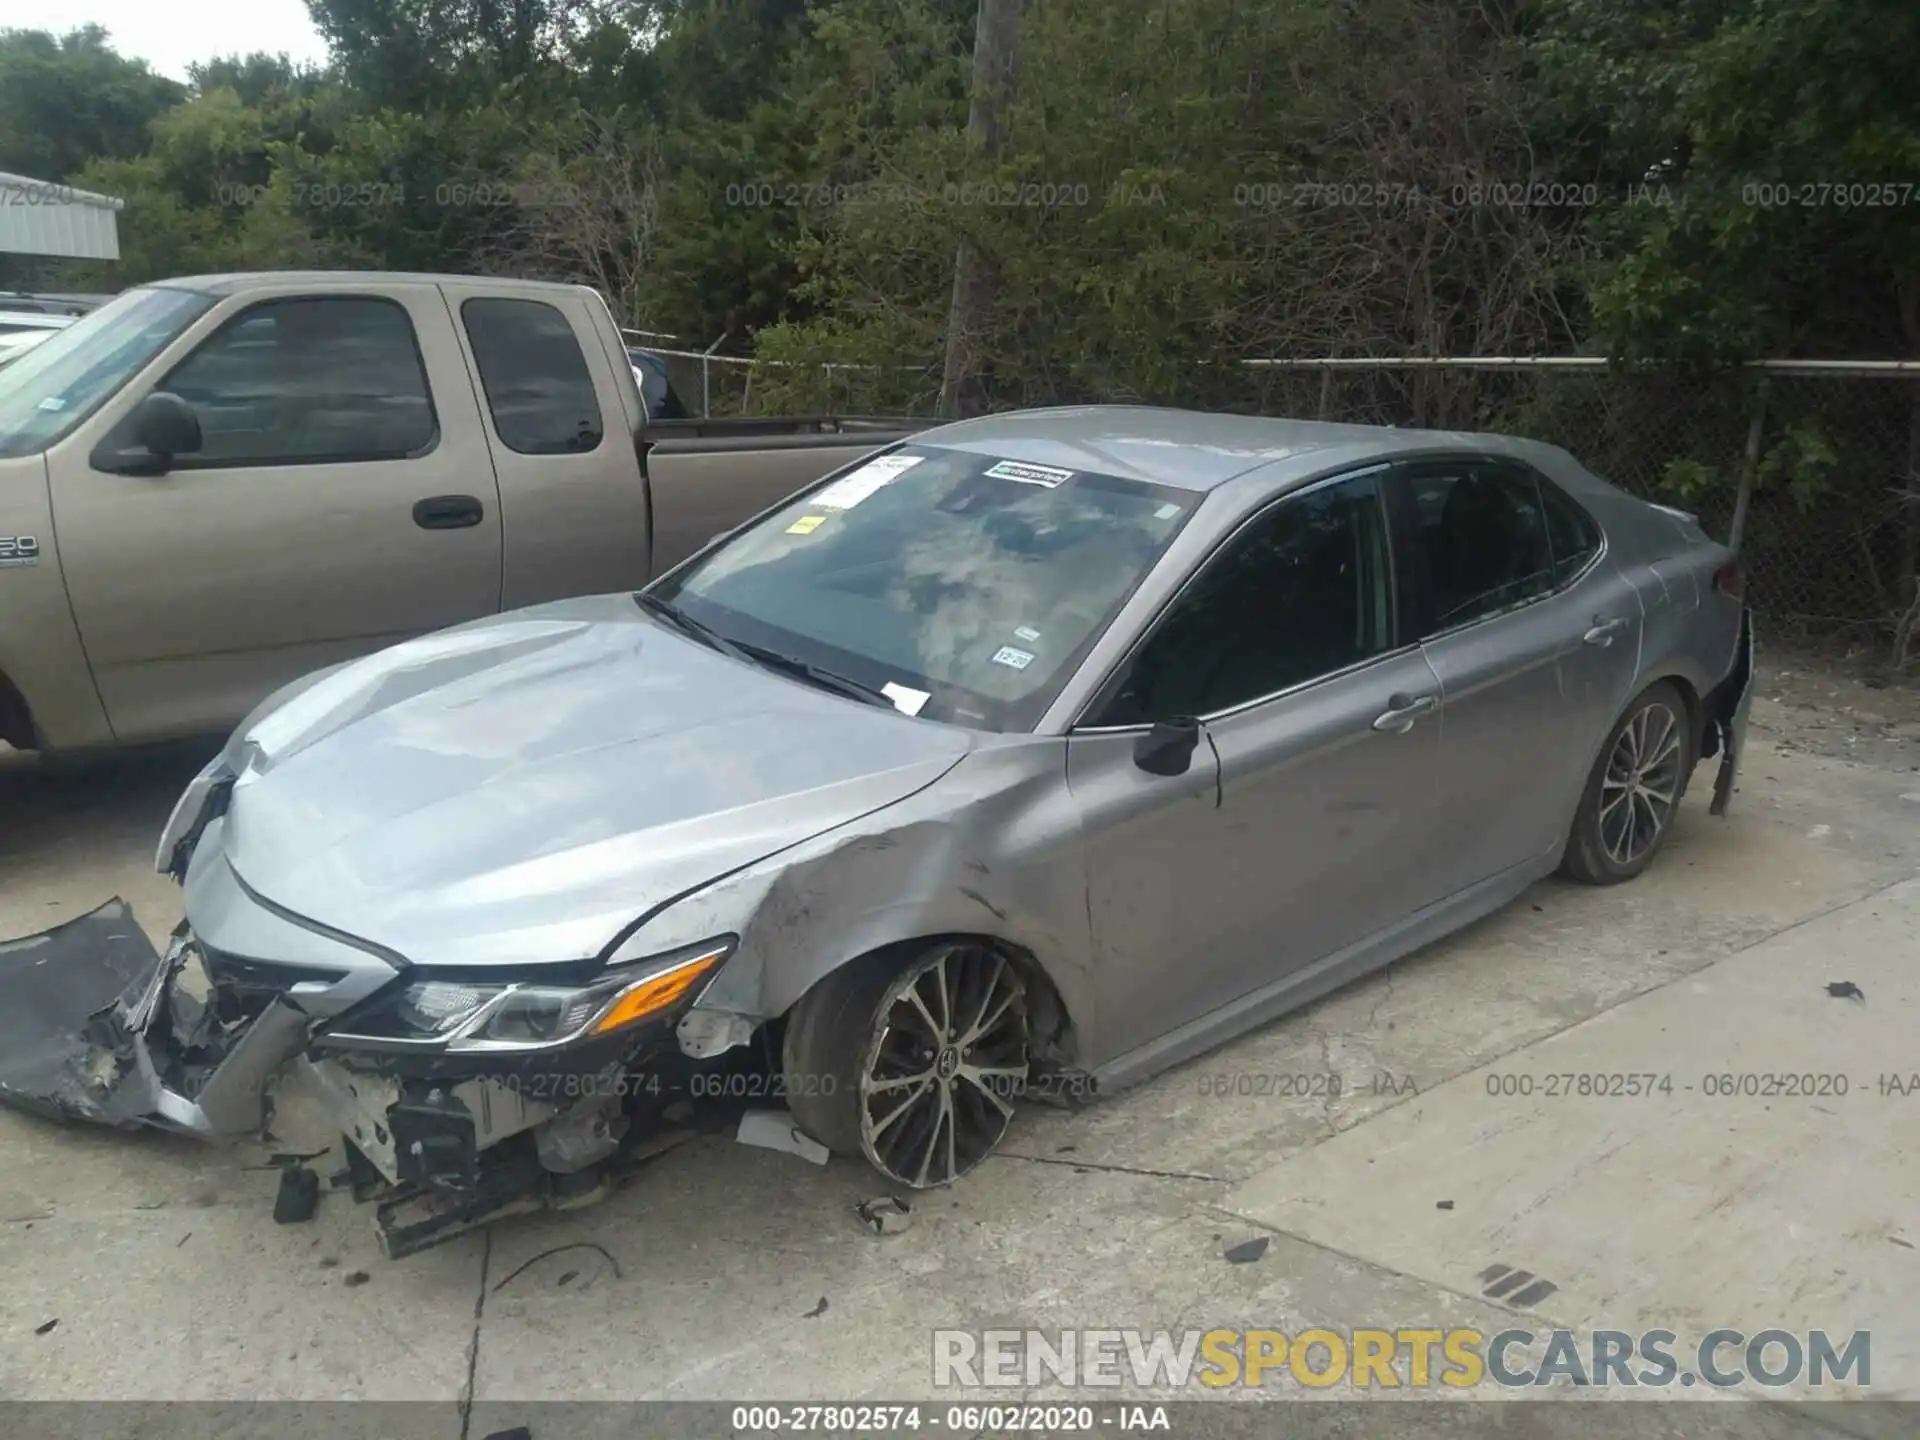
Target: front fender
[[40, 650], [995, 849]]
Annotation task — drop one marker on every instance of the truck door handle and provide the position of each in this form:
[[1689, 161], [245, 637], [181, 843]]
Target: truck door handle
[[448, 512], [1603, 631], [1403, 711]]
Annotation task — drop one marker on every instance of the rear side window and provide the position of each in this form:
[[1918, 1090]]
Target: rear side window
[[536, 378], [1572, 534], [308, 381], [1481, 538]]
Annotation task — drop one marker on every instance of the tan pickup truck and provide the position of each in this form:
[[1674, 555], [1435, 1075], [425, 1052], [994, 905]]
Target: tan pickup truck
[[211, 486]]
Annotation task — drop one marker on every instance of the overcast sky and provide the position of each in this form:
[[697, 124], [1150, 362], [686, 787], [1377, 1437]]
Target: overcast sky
[[171, 36]]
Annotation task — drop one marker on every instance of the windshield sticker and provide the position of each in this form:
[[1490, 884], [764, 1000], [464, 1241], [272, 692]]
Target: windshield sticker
[[1026, 474], [906, 701], [1166, 512], [1027, 633], [806, 524], [849, 490], [1012, 658]]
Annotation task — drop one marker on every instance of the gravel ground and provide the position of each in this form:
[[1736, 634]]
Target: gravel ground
[[1820, 706]]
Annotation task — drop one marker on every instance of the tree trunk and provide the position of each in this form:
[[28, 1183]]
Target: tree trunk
[[996, 58]]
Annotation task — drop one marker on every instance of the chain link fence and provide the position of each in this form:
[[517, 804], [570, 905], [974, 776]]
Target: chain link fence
[[1828, 455]]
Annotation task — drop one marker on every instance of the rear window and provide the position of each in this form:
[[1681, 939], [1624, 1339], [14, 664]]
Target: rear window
[[539, 389]]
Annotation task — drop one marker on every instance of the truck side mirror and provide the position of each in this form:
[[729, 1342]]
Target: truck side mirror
[[166, 426], [161, 427], [1167, 749]]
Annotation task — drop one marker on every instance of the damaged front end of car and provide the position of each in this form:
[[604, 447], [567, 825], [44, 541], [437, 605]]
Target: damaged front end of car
[[467, 1098], [460, 1096]]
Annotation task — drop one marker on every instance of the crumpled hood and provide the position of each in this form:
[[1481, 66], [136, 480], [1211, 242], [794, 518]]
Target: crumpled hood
[[518, 790]]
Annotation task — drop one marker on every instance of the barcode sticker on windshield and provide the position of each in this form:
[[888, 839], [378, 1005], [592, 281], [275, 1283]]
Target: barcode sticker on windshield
[[1027, 474], [849, 490], [1016, 659]]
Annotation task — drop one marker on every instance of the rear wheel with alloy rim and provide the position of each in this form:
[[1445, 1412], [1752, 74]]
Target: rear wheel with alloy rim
[[913, 1063], [1636, 786]]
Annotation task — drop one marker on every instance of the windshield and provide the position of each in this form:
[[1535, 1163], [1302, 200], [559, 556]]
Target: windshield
[[52, 387], [968, 587]]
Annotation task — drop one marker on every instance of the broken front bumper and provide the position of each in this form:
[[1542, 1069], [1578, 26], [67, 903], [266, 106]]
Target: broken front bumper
[[1727, 709], [100, 1026]]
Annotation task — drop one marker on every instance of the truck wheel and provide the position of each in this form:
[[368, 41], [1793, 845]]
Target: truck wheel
[[911, 1061], [1636, 785]]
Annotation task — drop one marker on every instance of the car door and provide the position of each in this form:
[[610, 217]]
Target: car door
[[337, 503], [1296, 828], [1534, 651]]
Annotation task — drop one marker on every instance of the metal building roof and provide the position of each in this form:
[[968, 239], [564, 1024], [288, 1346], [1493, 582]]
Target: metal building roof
[[43, 217]]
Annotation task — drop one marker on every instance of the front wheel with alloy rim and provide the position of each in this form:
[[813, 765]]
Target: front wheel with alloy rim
[[912, 1061], [1637, 784]]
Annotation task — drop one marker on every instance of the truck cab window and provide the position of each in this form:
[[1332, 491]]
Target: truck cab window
[[538, 387], [308, 381]]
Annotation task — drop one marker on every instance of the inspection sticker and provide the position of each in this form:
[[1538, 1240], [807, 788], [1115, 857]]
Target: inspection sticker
[[849, 490], [1014, 659], [1027, 474], [806, 524]]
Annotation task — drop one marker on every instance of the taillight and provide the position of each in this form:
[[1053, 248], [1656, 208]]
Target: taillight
[[1731, 581]]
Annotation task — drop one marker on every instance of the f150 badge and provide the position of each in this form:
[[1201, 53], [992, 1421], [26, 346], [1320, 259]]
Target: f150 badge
[[18, 550]]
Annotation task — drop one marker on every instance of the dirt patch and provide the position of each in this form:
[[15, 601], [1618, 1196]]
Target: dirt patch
[[1828, 707]]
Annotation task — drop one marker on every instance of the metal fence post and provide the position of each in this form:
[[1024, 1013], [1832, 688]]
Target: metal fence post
[[1749, 467], [706, 376]]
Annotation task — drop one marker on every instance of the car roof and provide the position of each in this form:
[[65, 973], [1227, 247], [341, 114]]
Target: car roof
[[1197, 450], [241, 281]]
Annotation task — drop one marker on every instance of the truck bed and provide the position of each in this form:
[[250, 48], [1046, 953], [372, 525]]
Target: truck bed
[[704, 475]]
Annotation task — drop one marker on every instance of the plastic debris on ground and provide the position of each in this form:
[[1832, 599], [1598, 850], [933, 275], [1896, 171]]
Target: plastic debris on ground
[[775, 1130]]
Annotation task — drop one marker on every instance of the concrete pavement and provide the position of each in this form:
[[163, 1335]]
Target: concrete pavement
[[703, 1277]]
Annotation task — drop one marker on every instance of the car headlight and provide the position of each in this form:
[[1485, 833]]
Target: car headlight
[[513, 1016]]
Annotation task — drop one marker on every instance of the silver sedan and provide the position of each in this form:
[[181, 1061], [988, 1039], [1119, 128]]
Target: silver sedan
[[1032, 756]]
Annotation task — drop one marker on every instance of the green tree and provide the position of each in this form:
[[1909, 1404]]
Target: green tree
[[1764, 162], [69, 99]]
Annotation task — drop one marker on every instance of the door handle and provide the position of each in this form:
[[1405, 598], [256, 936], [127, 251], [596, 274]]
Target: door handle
[[1604, 630], [448, 512], [1403, 711]]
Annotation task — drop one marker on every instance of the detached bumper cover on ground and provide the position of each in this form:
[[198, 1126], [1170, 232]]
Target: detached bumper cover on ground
[[70, 1045], [99, 1026]]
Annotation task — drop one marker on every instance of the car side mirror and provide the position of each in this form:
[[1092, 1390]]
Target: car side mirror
[[1167, 749], [162, 427]]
